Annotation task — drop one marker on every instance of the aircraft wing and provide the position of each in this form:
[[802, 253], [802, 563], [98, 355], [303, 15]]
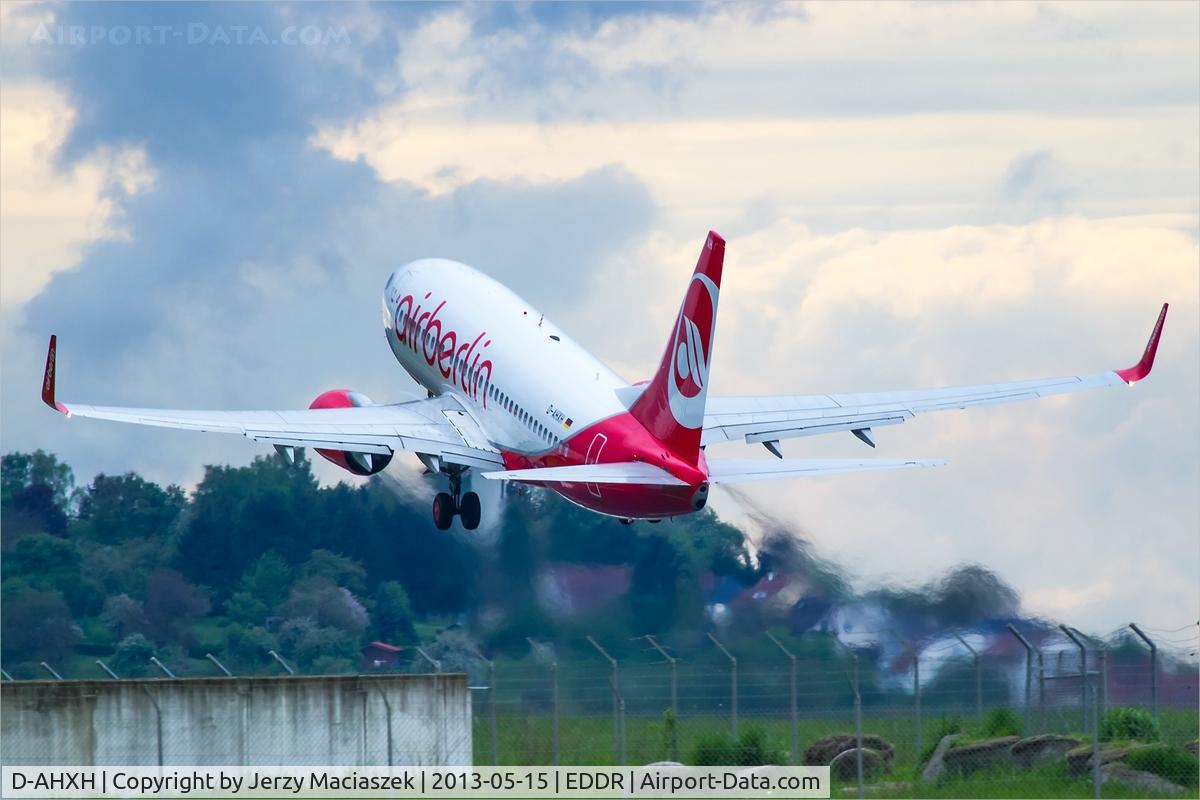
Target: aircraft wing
[[767, 419], [437, 427]]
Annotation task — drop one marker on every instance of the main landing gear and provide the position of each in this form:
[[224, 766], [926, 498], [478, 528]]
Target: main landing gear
[[447, 504]]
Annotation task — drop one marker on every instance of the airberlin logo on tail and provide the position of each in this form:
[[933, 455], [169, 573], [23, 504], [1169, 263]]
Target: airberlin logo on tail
[[461, 361], [692, 349]]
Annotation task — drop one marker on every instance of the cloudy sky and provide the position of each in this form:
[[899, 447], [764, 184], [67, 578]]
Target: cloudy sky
[[203, 202]]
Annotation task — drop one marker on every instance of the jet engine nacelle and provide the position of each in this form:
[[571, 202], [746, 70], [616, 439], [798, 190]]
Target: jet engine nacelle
[[357, 463]]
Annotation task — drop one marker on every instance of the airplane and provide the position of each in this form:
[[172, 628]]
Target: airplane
[[513, 397]]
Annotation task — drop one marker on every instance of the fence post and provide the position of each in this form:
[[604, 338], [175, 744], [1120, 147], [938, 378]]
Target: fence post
[[1083, 691], [1041, 659], [491, 700], [733, 697], [1153, 669], [437, 665], [4, 673], [978, 679], [1095, 748], [857, 713], [916, 662], [104, 667], [553, 699], [51, 670], [1028, 674], [387, 706], [618, 703], [220, 666], [282, 663], [674, 694], [492, 711], [154, 660], [158, 721], [795, 719]]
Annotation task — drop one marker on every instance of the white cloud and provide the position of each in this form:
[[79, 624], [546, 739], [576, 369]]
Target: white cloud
[[49, 214], [884, 116]]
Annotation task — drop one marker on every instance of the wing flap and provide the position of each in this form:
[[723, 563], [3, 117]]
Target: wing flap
[[631, 472], [736, 470]]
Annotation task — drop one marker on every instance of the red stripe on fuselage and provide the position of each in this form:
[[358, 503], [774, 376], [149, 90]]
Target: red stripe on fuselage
[[626, 440]]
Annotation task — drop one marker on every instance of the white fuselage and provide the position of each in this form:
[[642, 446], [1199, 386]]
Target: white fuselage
[[528, 384]]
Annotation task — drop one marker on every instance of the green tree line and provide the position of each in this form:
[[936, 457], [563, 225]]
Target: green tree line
[[262, 557]]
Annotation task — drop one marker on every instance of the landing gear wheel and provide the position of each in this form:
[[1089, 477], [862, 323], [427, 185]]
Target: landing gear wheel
[[443, 511], [469, 511]]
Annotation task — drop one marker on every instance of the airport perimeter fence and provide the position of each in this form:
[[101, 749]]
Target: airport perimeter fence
[[1069, 715], [998, 714]]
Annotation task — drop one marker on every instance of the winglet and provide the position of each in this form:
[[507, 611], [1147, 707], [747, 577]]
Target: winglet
[[1141, 369], [48, 379]]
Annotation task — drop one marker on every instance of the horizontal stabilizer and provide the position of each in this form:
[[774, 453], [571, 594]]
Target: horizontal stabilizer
[[635, 472], [732, 470]]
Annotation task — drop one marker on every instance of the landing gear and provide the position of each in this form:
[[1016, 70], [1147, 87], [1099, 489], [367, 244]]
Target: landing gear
[[469, 511], [443, 511], [446, 505]]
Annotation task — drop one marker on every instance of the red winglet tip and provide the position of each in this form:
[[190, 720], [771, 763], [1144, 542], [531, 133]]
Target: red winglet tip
[[48, 379], [1141, 369]]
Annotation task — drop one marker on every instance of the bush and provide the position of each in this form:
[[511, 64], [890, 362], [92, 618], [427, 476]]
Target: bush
[[751, 749], [945, 726], [1000, 722], [1128, 724], [713, 750], [1170, 763], [669, 734]]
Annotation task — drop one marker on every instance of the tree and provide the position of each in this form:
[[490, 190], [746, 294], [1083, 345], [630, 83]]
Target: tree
[[267, 579], [172, 604], [20, 470], [53, 564], [338, 569], [237, 514], [318, 598], [36, 626], [43, 556], [123, 615], [133, 656], [393, 614], [127, 506], [306, 641]]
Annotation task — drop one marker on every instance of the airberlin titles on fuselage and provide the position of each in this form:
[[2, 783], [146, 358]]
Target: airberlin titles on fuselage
[[458, 361]]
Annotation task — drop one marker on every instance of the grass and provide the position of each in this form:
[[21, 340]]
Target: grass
[[583, 740], [587, 740]]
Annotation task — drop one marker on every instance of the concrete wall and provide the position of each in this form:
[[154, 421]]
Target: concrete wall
[[333, 720]]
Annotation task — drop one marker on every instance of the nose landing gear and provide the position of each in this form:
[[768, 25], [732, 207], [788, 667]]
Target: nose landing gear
[[446, 505]]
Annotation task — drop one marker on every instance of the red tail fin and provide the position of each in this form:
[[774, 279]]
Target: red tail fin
[[672, 406]]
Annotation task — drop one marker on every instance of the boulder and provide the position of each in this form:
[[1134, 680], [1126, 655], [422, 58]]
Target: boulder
[[845, 764], [1079, 760], [1146, 782], [980, 755], [1037, 750], [822, 752], [935, 766]]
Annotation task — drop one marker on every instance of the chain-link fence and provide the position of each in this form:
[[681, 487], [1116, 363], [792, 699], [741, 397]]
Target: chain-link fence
[[1042, 712], [964, 715]]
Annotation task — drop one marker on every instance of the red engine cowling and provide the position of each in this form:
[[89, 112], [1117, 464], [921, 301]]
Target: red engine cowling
[[357, 463]]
